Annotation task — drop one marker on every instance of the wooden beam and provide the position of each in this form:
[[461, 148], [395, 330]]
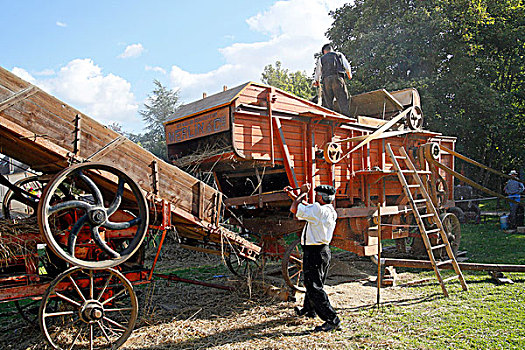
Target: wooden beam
[[252, 200], [286, 153], [19, 96]]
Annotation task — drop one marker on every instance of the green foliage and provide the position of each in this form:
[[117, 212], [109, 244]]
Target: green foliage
[[297, 83], [466, 58], [161, 105]]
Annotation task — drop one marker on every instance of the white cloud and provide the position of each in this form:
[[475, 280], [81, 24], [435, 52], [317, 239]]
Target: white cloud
[[133, 50], [22, 73], [155, 69], [61, 24], [45, 72], [295, 31], [81, 83]]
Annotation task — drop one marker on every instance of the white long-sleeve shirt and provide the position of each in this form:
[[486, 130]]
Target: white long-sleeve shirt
[[346, 65], [321, 223]]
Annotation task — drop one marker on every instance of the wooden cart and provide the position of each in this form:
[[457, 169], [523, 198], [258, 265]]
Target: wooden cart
[[95, 198]]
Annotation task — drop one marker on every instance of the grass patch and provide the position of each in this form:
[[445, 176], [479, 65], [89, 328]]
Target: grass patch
[[487, 316], [489, 244], [494, 205]]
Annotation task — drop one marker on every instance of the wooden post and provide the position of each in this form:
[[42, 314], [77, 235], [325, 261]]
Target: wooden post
[[378, 254], [154, 177], [76, 142], [269, 102]]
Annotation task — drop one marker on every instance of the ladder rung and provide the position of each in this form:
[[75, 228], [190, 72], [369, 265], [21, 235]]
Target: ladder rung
[[443, 262], [419, 200], [413, 186], [427, 215], [432, 231], [450, 278], [439, 246], [400, 157], [408, 171], [372, 228]]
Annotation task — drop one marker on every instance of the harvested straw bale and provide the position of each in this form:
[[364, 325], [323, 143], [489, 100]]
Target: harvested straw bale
[[13, 238]]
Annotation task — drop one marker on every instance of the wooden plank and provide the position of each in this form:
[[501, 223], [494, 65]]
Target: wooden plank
[[51, 124]]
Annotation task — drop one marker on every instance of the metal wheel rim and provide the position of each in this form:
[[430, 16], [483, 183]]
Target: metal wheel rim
[[452, 227], [43, 216], [294, 253], [92, 294], [241, 267], [8, 198]]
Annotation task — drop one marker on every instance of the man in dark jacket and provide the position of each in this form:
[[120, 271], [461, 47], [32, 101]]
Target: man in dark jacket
[[330, 71]]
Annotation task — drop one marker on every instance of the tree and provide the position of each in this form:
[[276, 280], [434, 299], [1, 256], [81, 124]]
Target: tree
[[161, 104], [466, 58], [297, 83]]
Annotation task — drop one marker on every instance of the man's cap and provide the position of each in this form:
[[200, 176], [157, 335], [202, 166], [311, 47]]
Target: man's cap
[[513, 172], [330, 190]]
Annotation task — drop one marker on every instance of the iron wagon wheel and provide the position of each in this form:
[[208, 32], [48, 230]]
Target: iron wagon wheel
[[84, 214], [94, 309], [452, 229], [292, 266], [441, 191], [240, 266], [31, 188], [28, 311]]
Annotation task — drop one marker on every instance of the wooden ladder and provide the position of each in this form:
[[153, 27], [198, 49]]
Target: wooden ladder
[[431, 213]]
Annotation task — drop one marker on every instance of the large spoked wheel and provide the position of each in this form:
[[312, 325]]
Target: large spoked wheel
[[453, 230], [30, 189], [292, 266], [83, 227], [93, 309]]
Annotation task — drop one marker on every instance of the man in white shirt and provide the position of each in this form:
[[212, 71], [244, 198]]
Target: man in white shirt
[[321, 218], [330, 71]]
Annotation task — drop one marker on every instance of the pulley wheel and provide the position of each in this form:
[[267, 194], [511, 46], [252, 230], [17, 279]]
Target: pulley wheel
[[431, 151], [333, 152], [415, 118]]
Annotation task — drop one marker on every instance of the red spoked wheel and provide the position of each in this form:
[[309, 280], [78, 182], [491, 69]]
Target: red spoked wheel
[[88, 309]]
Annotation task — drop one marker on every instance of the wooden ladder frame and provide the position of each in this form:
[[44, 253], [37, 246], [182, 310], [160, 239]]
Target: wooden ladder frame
[[431, 213]]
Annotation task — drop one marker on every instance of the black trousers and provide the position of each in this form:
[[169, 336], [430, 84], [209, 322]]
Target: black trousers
[[316, 260], [334, 86]]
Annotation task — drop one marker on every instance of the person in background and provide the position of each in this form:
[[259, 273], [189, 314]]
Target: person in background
[[513, 189], [330, 71], [320, 220]]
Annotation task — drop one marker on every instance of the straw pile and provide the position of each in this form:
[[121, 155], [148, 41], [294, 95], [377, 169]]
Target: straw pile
[[12, 243], [205, 151]]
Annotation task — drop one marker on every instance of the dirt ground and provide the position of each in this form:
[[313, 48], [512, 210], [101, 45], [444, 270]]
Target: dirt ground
[[192, 317], [186, 316]]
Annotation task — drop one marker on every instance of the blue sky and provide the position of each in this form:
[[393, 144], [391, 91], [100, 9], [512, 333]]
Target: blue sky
[[102, 56]]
